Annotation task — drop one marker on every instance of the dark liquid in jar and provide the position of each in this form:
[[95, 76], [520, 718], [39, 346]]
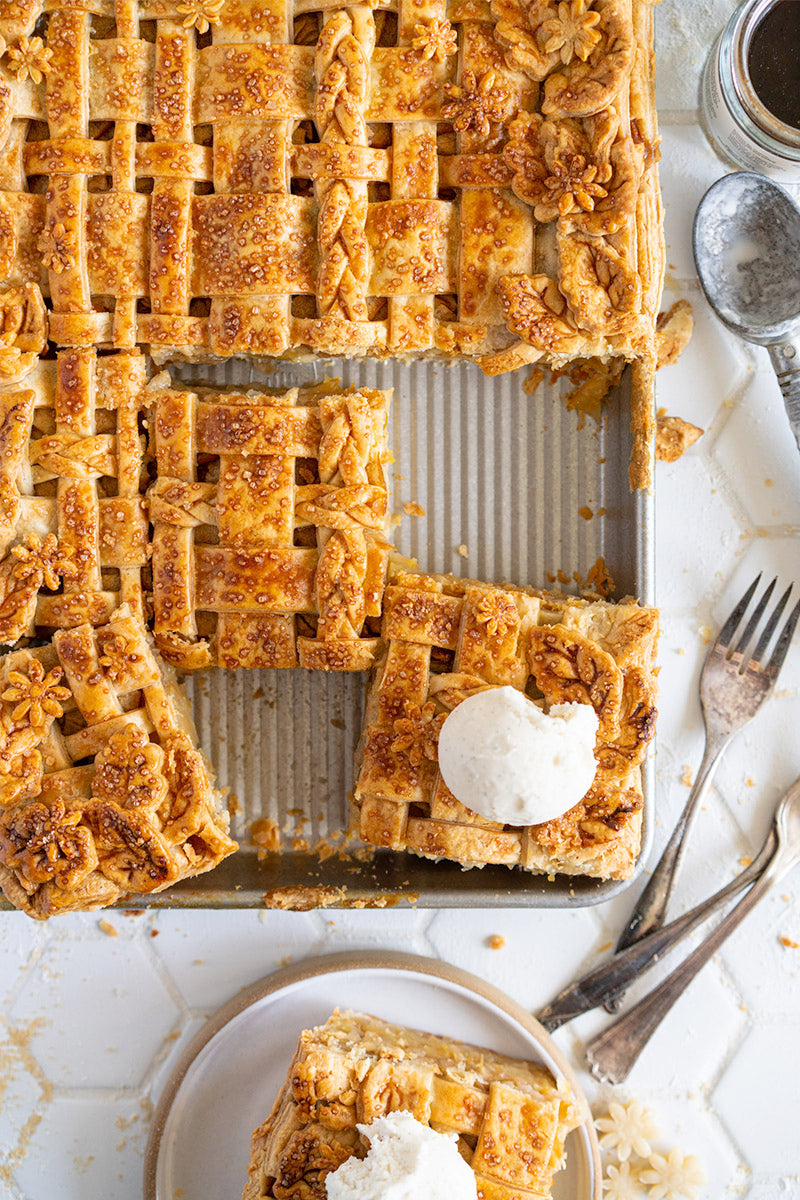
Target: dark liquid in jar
[[773, 61]]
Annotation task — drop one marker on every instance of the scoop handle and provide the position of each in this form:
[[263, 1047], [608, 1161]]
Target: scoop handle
[[785, 357]]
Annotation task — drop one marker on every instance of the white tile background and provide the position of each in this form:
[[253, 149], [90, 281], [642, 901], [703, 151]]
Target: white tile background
[[90, 1024]]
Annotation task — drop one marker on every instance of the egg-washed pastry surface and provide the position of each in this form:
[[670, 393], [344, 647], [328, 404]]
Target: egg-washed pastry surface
[[269, 514], [445, 640], [512, 1118], [103, 792], [213, 177]]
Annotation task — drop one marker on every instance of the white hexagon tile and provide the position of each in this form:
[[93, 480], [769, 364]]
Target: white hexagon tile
[[93, 1017]]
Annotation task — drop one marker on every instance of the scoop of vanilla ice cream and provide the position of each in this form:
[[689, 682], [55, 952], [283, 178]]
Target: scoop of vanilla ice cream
[[406, 1160], [506, 759]]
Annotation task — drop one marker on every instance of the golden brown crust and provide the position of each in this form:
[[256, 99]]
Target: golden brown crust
[[99, 799], [447, 639], [511, 1117]]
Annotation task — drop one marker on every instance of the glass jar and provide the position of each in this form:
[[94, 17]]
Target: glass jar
[[740, 127]]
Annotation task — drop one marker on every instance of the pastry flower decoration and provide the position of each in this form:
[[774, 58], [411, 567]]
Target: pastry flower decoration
[[497, 613], [49, 843], [30, 58], [57, 247], [572, 33], [201, 14], [417, 733], [477, 103], [673, 1176], [117, 656], [575, 183], [628, 1129], [42, 562], [621, 1183], [36, 695], [437, 39]]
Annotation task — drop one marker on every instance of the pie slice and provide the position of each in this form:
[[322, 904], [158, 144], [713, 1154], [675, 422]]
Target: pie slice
[[447, 638], [512, 1118], [270, 514], [103, 792]]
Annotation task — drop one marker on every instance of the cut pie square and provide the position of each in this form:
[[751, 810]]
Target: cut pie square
[[446, 639], [103, 792], [511, 1117], [74, 536], [269, 516]]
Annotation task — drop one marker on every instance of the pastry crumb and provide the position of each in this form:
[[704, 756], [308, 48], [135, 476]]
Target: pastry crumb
[[673, 331], [745, 861], [154, 932], [535, 378], [107, 928], [586, 512], [788, 942], [265, 835], [496, 941], [605, 946], [412, 509], [687, 779], [462, 550]]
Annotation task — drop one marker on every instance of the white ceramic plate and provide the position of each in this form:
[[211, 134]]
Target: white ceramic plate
[[226, 1080]]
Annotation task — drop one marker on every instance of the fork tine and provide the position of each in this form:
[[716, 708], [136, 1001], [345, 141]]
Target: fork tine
[[769, 628], [732, 624], [783, 643], [752, 624]]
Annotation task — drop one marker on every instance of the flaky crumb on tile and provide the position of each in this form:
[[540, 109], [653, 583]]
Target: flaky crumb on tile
[[412, 509], [496, 941], [674, 436], [673, 331], [788, 942], [462, 550], [107, 928]]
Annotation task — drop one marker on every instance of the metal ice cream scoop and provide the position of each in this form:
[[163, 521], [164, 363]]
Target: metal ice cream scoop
[[746, 242]]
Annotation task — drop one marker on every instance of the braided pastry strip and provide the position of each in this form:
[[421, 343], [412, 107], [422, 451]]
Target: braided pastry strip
[[70, 456], [345, 517], [342, 66]]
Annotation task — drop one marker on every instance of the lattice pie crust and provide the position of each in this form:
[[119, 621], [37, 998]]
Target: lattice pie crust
[[218, 177], [270, 515], [103, 792], [446, 639], [511, 1116]]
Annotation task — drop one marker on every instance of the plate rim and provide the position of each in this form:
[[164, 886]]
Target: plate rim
[[331, 964]]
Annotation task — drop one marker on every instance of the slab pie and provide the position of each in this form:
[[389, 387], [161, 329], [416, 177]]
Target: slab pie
[[207, 178]]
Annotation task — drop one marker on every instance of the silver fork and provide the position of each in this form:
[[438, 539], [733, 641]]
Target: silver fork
[[733, 686]]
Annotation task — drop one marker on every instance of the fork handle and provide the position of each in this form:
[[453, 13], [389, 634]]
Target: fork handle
[[651, 907], [613, 1053]]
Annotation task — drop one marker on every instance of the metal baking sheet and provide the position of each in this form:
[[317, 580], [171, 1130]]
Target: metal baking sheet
[[497, 471]]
